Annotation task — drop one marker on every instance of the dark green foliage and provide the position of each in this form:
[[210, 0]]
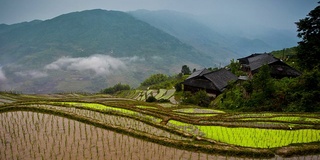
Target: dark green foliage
[[305, 93], [154, 79], [160, 81], [286, 53], [263, 82], [151, 99], [116, 88], [231, 99], [289, 56], [262, 93], [185, 70], [252, 95], [199, 98], [248, 87], [309, 47], [235, 68], [163, 100], [178, 87]]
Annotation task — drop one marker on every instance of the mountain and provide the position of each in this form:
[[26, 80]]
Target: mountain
[[87, 51], [90, 50], [222, 38], [189, 31]]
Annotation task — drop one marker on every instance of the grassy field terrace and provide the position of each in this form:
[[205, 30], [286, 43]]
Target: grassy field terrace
[[28, 121]]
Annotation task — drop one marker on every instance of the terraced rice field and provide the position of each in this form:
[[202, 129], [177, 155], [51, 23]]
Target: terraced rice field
[[31, 135], [74, 126], [142, 95], [254, 137]]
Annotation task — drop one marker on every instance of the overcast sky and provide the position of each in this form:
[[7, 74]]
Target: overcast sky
[[272, 13]]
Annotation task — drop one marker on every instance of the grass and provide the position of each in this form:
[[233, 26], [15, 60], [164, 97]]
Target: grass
[[198, 114], [198, 110], [147, 107], [253, 137], [98, 107], [286, 119], [160, 93], [168, 94]]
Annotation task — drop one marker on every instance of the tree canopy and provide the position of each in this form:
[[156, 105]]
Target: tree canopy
[[154, 79], [185, 70], [116, 88], [309, 47]]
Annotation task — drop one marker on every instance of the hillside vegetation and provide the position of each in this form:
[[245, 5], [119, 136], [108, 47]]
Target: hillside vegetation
[[264, 93], [86, 51]]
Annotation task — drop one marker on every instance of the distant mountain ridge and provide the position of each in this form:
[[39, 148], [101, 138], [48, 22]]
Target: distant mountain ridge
[[91, 32], [187, 30], [90, 50], [222, 45], [67, 52]]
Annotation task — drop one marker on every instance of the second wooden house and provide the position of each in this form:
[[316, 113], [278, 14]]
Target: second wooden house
[[251, 64], [213, 82]]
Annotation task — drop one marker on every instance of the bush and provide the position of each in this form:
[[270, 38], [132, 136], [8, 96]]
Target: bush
[[200, 98], [116, 88], [163, 100], [154, 79], [178, 86], [151, 99]]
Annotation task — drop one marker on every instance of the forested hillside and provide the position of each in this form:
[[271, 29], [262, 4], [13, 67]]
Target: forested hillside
[[222, 45], [86, 51]]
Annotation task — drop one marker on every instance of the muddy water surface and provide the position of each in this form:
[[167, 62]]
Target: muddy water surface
[[30, 135]]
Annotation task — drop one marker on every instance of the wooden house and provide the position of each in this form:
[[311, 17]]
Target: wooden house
[[213, 82], [279, 69]]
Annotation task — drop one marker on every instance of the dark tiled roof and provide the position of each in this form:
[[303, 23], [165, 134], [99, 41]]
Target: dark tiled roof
[[278, 68], [198, 73], [215, 80], [244, 60], [220, 78], [256, 62], [200, 82]]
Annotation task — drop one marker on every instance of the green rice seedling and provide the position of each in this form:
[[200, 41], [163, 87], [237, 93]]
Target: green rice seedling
[[168, 94], [253, 137], [198, 110], [160, 93]]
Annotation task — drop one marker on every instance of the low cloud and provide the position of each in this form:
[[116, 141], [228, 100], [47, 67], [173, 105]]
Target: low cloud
[[157, 58], [32, 74], [101, 65], [132, 59], [2, 75]]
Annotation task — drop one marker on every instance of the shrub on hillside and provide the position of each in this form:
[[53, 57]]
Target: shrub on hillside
[[154, 79], [151, 99], [199, 98], [116, 88]]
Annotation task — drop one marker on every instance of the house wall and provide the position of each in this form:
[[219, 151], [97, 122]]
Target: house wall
[[193, 89]]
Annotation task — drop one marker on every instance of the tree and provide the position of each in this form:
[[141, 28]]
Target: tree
[[235, 67], [309, 48], [200, 98], [263, 82], [178, 86], [151, 99], [154, 79], [116, 88], [185, 70]]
